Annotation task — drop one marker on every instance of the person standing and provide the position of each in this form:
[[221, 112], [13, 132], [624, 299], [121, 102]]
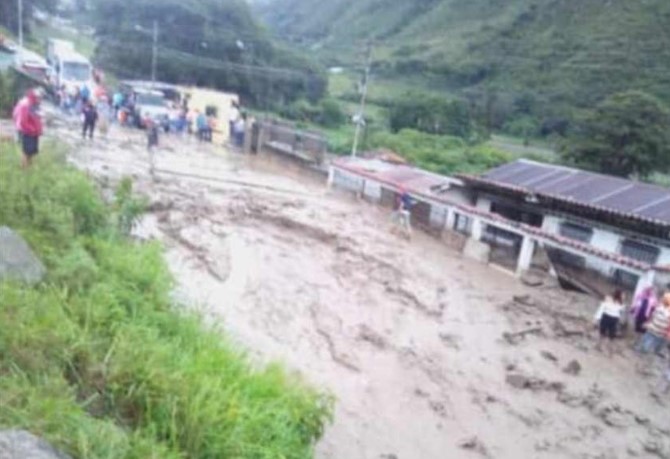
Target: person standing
[[656, 329], [608, 317], [90, 117], [402, 215], [643, 308], [16, 116], [232, 119], [201, 125], [104, 114], [117, 103], [29, 125]]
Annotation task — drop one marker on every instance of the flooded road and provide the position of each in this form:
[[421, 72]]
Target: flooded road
[[428, 355]]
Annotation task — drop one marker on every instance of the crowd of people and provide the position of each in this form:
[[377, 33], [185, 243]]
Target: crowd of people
[[97, 109], [649, 315]]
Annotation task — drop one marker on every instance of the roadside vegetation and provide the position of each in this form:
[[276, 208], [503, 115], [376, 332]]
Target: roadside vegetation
[[96, 358]]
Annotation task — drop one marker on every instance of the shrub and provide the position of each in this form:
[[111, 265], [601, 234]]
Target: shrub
[[97, 361]]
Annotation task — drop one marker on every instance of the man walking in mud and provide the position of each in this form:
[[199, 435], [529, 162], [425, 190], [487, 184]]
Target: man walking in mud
[[402, 214], [90, 117]]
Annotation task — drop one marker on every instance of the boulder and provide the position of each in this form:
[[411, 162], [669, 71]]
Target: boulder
[[19, 444], [17, 260]]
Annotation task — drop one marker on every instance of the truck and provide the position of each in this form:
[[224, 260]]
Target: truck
[[68, 67]]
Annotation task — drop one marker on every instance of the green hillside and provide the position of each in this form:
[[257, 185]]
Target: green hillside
[[518, 62]]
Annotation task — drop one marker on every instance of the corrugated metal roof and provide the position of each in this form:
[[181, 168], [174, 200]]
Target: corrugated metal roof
[[649, 202], [401, 175]]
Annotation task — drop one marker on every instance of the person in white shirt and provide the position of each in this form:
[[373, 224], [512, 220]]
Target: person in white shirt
[[608, 317], [233, 118]]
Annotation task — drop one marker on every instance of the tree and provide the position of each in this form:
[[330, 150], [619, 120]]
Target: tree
[[627, 134], [432, 115], [9, 14], [205, 43]]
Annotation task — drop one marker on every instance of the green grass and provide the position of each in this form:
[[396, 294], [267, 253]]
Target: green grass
[[96, 359]]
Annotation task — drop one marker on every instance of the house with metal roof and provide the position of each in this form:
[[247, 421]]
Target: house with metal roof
[[591, 230], [628, 219]]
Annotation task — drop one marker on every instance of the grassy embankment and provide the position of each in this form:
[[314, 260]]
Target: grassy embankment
[[96, 359]]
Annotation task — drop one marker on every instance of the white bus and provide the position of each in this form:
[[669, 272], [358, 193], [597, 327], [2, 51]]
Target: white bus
[[68, 67]]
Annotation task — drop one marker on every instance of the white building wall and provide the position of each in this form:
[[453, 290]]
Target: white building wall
[[438, 215], [484, 204], [347, 181], [373, 190], [604, 240], [664, 257], [551, 224]]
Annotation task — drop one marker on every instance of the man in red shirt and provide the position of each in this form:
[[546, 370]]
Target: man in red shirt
[[29, 124]]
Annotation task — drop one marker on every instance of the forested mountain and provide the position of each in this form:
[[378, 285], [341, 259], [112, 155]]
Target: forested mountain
[[205, 42], [526, 62]]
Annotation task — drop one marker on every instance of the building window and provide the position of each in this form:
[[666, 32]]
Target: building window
[[517, 214], [563, 258], [638, 251], [212, 111], [576, 232], [625, 279], [462, 224]]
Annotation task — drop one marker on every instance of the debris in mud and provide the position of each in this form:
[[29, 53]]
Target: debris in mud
[[656, 448], [517, 337], [526, 300], [450, 340], [573, 368], [549, 356], [532, 279], [474, 444], [521, 381], [367, 334], [438, 408]]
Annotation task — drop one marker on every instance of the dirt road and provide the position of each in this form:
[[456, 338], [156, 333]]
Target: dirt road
[[429, 355]]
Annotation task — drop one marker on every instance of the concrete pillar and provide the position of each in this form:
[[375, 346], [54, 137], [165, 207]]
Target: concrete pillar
[[248, 134], [450, 219], [477, 229], [525, 255], [262, 137], [331, 177]]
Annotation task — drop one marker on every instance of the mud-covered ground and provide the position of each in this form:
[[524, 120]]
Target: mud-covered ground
[[429, 355]]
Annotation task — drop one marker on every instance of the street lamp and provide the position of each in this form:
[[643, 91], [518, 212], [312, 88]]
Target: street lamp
[[154, 51]]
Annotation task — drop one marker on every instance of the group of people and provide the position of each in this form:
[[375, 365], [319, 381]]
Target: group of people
[[650, 317]]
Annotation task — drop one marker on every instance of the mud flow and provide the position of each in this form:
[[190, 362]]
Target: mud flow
[[429, 355]]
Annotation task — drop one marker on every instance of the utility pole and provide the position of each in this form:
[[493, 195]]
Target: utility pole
[[364, 93], [21, 23], [153, 54]]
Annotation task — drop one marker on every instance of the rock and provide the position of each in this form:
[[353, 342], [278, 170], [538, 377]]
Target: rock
[[19, 444], [474, 444], [517, 380], [526, 300], [573, 368], [17, 260], [532, 280], [549, 356]]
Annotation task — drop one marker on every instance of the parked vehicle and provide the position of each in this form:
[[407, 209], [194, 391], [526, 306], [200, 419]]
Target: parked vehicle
[[150, 104], [31, 65], [68, 67]]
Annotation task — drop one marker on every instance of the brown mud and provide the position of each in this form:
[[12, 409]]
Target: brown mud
[[429, 355]]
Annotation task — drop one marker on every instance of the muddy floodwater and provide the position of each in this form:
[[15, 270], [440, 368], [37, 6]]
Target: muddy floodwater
[[429, 355]]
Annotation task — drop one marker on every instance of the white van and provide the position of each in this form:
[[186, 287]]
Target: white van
[[68, 67]]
